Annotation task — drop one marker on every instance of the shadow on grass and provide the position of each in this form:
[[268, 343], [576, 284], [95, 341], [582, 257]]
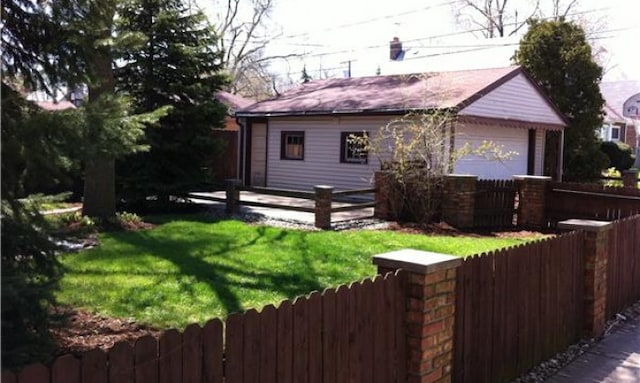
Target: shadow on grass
[[213, 260]]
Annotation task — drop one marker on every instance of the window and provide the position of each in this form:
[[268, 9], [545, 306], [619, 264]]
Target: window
[[292, 146], [615, 133], [352, 149]]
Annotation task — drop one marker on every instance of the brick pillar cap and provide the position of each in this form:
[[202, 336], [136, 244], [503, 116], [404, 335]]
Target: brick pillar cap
[[416, 261], [454, 175], [535, 178], [584, 224], [323, 187]]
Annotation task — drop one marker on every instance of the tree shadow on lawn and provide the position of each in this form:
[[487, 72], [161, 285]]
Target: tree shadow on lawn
[[235, 274]]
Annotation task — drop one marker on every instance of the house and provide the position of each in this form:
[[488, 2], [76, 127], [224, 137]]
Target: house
[[619, 124], [233, 102], [300, 138]]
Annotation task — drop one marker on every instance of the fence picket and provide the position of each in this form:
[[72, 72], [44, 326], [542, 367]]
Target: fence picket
[[268, 344], [380, 327], [121, 363], [212, 352], [329, 338], [94, 367], [146, 359], [315, 328], [342, 351], [234, 336], [170, 356], [300, 340], [251, 347], [65, 369], [192, 354], [285, 344], [34, 373]]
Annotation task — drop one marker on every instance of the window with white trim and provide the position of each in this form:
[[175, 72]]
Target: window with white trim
[[292, 145], [615, 133]]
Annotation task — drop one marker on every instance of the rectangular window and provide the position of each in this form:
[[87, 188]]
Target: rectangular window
[[615, 133], [292, 146], [352, 149]]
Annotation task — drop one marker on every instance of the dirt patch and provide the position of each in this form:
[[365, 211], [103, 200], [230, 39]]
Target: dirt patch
[[81, 331], [442, 228]]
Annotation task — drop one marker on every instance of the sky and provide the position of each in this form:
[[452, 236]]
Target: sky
[[328, 34]]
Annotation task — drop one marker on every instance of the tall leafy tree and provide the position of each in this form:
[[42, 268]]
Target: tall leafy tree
[[174, 63], [558, 56]]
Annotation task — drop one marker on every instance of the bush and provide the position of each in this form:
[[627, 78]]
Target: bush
[[30, 274], [620, 154]]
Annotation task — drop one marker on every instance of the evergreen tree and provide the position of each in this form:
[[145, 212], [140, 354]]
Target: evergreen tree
[[558, 57], [175, 63], [305, 76]]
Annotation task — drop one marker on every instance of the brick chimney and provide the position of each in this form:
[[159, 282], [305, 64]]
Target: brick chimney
[[395, 49]]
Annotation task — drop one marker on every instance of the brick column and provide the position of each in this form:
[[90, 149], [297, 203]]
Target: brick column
[[630, 178], [383, 180], [459, 199], [430, 311], [232, 187], [596, 253], [323, 198], [532, 201]]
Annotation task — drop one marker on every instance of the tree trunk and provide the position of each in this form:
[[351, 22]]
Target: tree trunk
[[100, 188], [100, 174]]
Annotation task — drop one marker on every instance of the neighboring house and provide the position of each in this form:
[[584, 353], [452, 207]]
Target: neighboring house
[[233, 102], [55, 106], [616, 126], [299, 139]]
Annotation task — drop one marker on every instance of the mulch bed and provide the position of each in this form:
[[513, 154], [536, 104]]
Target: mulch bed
[[442, 228]]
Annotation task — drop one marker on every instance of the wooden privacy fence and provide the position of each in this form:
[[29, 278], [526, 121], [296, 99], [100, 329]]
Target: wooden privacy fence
[[516, 307], [495, 203], [349, 334], [623, 265], [590, 201]]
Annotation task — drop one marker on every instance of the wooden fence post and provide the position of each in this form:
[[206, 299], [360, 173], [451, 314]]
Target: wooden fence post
[[430, 310], [233, 195], [630, 178], [322, 212], [458, 200], [532, 196], [383, 209], [596, 253]]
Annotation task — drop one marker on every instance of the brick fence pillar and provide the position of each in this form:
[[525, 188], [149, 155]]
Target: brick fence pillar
[[323, 198], [630, 178], [232, 187], [532, 202], [596, 253], [383, 183], [459, 199], [430, 310]]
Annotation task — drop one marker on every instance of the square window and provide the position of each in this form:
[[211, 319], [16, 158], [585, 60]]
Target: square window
[[615, 133], [292, 146], [352, 149]]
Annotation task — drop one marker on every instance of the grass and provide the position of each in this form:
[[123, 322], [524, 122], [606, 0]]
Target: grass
[[190, 270]]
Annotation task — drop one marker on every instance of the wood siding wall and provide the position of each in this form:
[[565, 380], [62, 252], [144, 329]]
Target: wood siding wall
[[321, 164], [516, 99], [517, 307]]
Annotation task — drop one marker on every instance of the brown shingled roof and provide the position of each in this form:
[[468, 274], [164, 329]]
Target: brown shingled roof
[[394, 93], [233, 101]]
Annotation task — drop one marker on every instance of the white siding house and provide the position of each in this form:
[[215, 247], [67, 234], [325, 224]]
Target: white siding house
[[301, 133]]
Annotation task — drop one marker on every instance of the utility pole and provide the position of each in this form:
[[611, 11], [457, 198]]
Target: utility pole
[[348, 62]]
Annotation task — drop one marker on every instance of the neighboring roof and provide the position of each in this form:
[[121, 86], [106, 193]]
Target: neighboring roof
[[380, 94], [55, 106], [615, 93], [233, 101]]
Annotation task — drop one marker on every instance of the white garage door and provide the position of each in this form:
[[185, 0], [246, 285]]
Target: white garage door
[[511, 139]]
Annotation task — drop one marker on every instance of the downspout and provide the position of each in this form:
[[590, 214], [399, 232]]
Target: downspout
[[561, 160], [242, 147]]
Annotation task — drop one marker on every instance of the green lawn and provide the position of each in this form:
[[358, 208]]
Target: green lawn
[[189, 270]]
